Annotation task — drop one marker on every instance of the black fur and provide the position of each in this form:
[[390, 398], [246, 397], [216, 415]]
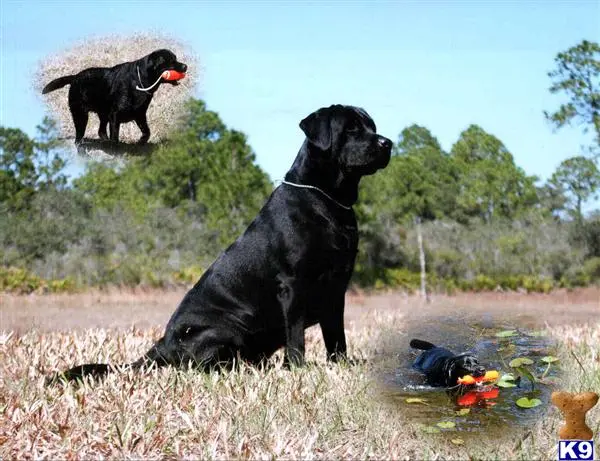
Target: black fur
[[442, 367], [291, 267], [111, 93]]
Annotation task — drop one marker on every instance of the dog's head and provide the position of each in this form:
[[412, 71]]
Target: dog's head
[[346, 137], [160, 60], [464, 364]]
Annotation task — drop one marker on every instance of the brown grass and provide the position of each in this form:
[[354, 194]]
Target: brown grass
[[321, 411], [167, 104], [141, 308]]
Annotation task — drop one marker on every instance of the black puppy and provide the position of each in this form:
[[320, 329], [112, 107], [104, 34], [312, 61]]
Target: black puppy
[[442, 367], [117, 94], [291, 267]]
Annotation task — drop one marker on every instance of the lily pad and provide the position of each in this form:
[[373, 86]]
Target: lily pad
[[506, 333], [506, 380], [549, 359], [430, 430], [446, 424], [416, 400], [463, 411], [524, 402], [505, 384], [520, 361], [538, 333]]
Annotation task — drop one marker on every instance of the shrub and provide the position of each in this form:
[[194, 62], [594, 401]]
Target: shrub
[[21, 281], [592, 268], [188, 275]]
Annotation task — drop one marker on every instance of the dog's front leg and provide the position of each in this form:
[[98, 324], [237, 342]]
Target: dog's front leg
[[114, 127], [293, 314], [142, 124], [332, 327]]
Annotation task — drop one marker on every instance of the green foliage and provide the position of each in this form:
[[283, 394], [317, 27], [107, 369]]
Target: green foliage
[[29, 165], [506, 334], [506, 381], [20, 281], [577, 76], [524, 402], [205, 167], [575, 277], [421, 177], [490, 184], [520, 361], [51, 221], [592, 268], [590, 236], [579, 178], [159, 220], [188, 275]]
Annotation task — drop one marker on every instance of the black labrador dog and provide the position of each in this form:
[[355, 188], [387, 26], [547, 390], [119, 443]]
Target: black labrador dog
[[291, 267], [118, 94], [442, 367]]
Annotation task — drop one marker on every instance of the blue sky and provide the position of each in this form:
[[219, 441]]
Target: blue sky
[[265, 65]]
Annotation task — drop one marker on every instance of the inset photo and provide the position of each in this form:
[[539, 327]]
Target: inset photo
[[117, 95]]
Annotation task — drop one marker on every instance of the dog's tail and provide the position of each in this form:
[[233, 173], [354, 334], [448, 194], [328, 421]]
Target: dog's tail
[[155, 356], [421, 345], [58, 83]]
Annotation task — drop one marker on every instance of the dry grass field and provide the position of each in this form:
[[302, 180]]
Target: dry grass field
[[319, 412]]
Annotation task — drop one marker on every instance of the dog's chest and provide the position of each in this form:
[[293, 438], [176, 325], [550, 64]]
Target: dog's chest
[[337, 252]]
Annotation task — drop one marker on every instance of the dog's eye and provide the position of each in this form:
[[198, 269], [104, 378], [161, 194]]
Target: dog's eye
[[353, 127]]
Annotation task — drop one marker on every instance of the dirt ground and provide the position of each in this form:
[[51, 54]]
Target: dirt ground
[[143, 309]]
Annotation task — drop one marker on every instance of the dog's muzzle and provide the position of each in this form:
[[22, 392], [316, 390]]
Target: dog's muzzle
[[384, 143], [385, 148], [478, 372]]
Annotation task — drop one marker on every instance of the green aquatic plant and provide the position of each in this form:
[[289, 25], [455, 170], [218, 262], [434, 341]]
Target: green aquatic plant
[[506, 334], [525, 402]]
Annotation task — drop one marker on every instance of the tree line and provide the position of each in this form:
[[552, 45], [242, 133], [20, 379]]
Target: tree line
[[160, 219]]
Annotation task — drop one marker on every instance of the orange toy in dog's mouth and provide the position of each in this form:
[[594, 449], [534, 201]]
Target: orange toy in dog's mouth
[[172, 75]]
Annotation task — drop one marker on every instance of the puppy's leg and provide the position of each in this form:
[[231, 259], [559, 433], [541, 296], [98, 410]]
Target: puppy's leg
[[102, 134], [114, 127], [80, 120], [142, 124], [79, 114], [332, 327], [293, 313]]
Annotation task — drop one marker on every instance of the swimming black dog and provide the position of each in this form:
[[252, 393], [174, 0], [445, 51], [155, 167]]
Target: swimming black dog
[[291, 267], [118, 94], [443, 367]]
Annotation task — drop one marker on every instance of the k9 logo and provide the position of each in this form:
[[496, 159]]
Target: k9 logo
[[575, 450]]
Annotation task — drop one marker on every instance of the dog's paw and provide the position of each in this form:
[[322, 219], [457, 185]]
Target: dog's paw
[[345, 360]]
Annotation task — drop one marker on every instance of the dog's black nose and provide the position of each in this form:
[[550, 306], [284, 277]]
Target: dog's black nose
[[384, 143], [183, 68], [479, 372]]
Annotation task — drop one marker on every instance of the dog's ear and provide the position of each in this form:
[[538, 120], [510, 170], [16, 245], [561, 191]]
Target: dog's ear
[[317, 128]]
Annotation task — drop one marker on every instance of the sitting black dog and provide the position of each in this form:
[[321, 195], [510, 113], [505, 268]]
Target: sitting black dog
[[291, 267], [117, 94], [443, 367]]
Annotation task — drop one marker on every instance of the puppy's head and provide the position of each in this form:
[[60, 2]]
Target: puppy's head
[[160, 60], [346, 137], [464, 364]]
